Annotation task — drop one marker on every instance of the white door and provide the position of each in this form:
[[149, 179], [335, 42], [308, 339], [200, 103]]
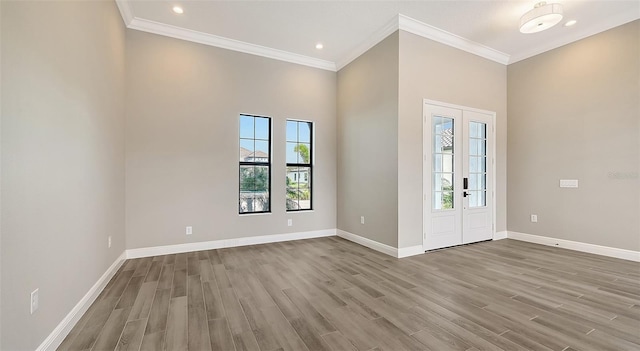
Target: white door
[[477, 173], [458, 175]]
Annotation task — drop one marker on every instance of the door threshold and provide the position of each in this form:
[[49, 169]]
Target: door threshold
[[454, 246]]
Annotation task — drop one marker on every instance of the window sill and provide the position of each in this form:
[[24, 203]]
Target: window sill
[[254, 214]]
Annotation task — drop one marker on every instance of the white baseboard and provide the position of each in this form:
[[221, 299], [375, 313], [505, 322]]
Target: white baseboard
[[385, 249], [410, 251], [53, 341], [225, 243], [500, 235], [577, 246]]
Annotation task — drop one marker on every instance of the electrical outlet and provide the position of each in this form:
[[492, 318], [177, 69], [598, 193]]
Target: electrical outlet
[[189, 230], [534, 218], [289, 222], [34, 301], [568, 183], [361, 219], [109, 240]]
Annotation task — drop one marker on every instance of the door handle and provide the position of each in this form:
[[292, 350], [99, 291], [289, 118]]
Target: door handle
[[465, 194]]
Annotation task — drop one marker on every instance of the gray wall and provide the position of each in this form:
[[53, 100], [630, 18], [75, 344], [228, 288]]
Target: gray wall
[[368, 144], [430, 70], [183, 105], [574, 113], [62, 156]]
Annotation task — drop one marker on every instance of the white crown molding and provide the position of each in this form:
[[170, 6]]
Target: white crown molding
[[168, 30], [125, 11], [424, 30], [408, 24], [611, 22], [225, 243], [577, 246], [400, 22], [53, 341], [372, 41], [229, 44]]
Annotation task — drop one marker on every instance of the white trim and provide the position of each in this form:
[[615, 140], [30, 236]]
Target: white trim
[[410, 251], [225, 243], [424, 30], [410, 25], [593, 29], [577, 246], [372, 41], [457, 107], [53, 341], [385, 249], [380, 247], [229, 44], [125, 11], [500, 235], [399, 22], [494, 156]]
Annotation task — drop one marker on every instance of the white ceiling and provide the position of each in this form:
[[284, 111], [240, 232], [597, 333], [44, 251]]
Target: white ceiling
[[348, 27]]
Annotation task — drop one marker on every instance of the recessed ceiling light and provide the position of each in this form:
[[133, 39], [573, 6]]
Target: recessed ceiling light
[[570, 23], [319, 46], [178, 9]]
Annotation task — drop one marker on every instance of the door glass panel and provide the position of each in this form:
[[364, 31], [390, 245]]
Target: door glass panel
[[443, 200], [473, 198], [477, 147], [437, 162], [443, 135], [443, 170], [477, 164], [482, 147], [447, 163], [443, 163], [473, 147], [443, 181], [482, 181], [473, 130], [477, 198]]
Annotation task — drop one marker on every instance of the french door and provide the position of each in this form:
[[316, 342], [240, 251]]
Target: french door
[[458, 205]]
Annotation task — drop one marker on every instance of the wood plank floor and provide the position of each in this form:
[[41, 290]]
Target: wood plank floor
[[331, 294]]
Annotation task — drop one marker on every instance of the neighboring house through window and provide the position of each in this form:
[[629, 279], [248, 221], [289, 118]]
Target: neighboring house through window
[[255, 164], [299, 165]]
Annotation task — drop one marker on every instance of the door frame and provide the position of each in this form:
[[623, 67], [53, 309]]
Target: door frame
[[426, 163]]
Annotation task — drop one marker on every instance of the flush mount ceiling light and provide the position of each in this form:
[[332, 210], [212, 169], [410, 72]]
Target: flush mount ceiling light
[[178, 9], [543, 16], [319, 46]]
